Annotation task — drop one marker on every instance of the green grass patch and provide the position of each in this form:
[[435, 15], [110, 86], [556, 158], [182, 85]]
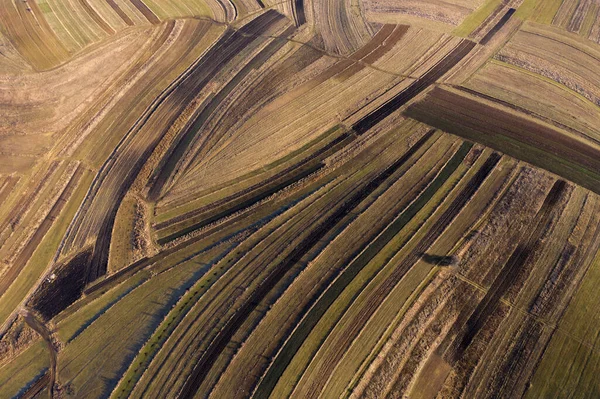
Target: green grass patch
[[570, 364], [476, 18], [75, 323], [44, 7], [24, 369], [341, 294], [120, 331], [163, 332], [542, 12]]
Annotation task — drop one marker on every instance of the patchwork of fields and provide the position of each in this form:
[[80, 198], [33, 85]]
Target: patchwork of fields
[[307, 199]]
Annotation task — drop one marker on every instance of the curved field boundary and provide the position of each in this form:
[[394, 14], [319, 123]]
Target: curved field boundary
[[117, 173], [415, 88], [215, 347], [343, 29], [114, 165], [244, 202], [288, 304], [353, 327], [188, 83], [210, 198], [318, 309], [247, 198], [172, 160]]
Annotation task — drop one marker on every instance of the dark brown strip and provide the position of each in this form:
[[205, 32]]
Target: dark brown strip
[[507, 275], [143, 8], [96, 17], [418, 86], [387, 45], [120, 12], [497, 27], [214, 349]]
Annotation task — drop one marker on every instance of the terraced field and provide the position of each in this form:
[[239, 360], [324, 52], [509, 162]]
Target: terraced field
[[326, 199]]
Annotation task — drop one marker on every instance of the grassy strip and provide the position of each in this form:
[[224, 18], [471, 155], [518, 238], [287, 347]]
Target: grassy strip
[[319, 370], [284, 357], [277, 254], [24, 370], [374, 274], [44, 252], [163, 332], [175, 160], [238, 184], [542, 12], [73, 324], [574, 345], [121, 250], [119, 330], [268, 248], [230, 209], [476, 18]]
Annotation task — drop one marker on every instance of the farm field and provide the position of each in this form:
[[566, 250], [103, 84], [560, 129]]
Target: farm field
[[299, 199]]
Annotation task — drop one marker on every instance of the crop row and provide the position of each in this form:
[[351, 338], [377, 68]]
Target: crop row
[[299, 227], [551, 148]]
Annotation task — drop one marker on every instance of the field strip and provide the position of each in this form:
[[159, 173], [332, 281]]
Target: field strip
[[525, 312]]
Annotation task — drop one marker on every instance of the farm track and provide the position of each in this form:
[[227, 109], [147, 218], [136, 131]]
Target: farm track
[[290, 199], [433, 316], [36, 324], [218, 343], [323, 264]]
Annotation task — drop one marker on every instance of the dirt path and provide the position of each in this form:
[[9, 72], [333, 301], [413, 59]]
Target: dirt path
[[40, 327]]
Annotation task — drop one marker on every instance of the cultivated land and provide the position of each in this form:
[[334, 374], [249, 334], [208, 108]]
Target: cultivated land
[[307, 199]]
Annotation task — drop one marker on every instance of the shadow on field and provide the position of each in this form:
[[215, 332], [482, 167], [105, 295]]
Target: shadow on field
[[439, 260]]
